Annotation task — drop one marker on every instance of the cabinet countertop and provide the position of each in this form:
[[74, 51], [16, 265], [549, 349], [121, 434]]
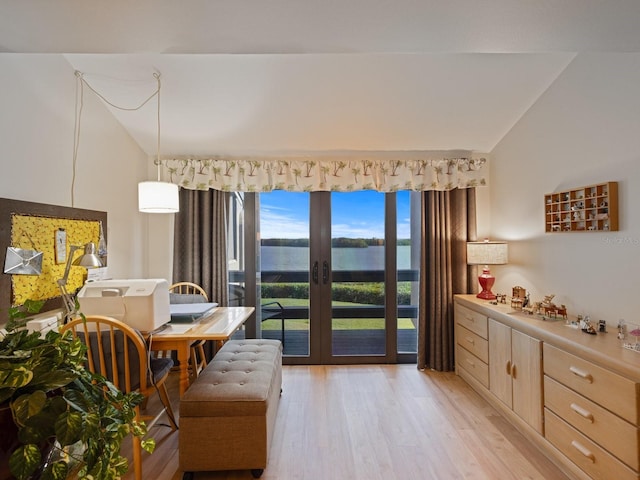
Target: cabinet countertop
[[604, 349]]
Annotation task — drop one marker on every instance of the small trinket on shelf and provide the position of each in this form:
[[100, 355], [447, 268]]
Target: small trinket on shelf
[[587, 327], [622, 330]]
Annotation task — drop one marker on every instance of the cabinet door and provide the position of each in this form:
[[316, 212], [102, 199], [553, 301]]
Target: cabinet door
[[500, 361], [526, 374]]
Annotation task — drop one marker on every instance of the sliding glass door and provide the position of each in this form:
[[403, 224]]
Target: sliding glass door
[[334, 276]]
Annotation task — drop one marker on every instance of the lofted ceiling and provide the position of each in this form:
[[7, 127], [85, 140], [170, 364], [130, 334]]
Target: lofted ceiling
[[314, 75]]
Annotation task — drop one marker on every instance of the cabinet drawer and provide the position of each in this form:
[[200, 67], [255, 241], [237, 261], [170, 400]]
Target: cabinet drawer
[[615, 393], [472, 342], [606, 429], [471, 320], [473, 365], [591, 458]]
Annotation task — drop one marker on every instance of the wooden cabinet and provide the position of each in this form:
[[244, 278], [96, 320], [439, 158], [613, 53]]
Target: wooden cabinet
[[515, 372], [590, 208], [503, 361], [591, 415], [576, 396]]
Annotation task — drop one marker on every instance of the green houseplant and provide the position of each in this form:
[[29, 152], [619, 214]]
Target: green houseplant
[[59, 407]]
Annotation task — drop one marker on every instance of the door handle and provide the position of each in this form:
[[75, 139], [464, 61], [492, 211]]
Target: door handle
[[325, 272], [315, 272]]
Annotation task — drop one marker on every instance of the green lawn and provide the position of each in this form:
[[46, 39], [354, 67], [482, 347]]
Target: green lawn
[[338, 324]]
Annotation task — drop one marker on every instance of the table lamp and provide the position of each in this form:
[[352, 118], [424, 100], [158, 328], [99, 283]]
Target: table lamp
[[486, 253], [89, 259]]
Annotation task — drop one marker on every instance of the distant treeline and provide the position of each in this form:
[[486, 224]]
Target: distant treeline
[[340, 242]]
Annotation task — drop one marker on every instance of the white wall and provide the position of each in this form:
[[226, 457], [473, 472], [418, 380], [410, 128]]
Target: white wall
[[585, 129], [37, 95]]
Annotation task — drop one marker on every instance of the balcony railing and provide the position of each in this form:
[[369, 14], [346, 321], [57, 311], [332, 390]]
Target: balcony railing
[[338, 276]]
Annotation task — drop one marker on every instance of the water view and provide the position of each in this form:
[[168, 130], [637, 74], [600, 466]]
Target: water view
[[297, 258]]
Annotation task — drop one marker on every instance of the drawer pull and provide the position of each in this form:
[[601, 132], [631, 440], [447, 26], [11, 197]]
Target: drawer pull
[[509, 367], [583, 450], [582, 412], [471, 362], [581, 373], [470, 340]]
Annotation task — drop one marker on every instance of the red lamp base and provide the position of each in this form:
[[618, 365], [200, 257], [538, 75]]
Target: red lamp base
[[486, 281]]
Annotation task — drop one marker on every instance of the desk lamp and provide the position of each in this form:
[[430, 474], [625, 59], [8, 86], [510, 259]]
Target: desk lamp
[[486, 253], [89, 259]]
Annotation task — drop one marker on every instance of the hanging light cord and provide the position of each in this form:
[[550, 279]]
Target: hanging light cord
[[76, 131], [79, 104], [157, 76]]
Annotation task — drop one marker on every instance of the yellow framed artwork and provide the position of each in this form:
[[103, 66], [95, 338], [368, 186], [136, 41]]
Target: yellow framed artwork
[[52, 230]]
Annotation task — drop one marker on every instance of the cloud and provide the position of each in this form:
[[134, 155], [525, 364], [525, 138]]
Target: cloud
[[274, 224]]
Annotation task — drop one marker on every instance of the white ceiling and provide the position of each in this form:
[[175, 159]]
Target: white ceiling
[[308, 75]]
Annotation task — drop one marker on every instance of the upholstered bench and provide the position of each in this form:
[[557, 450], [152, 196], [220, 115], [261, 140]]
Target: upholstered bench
[[227, 415]]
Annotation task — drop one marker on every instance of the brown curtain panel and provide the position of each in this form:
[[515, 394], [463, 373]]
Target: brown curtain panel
[[200, 242], [448, 222]]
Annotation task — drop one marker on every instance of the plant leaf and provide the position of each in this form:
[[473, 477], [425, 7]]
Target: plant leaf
[[28, 405], [16, 377], [51, 380], [148, 445], [24, 461], [69, 428], [55, 471]]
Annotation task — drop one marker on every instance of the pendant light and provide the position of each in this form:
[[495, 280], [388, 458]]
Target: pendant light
[[158, 196]]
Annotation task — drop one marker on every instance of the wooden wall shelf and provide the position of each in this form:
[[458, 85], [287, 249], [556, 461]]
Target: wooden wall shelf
[[593, 208]]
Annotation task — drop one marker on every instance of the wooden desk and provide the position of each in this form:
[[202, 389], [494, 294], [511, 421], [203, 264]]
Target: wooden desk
[[218, 327]]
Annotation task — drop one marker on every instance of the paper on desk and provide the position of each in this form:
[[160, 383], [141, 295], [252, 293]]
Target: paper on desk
[[218, 327], [176, 328]]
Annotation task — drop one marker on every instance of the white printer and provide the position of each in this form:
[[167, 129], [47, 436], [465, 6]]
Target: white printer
[[140, 303]]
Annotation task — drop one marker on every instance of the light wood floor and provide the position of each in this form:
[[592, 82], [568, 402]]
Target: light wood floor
[[373, 422]]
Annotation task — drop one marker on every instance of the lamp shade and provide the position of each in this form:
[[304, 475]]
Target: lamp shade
[[487, 253], [158, 197], [89, 259]]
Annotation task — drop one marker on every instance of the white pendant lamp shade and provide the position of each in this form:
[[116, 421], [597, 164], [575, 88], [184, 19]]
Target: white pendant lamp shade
[[158, 197]]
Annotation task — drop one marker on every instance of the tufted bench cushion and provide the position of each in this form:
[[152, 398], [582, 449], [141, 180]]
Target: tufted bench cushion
[[228, 414]]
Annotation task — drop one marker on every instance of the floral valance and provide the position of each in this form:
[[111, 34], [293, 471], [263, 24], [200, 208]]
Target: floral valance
[[341, 173]]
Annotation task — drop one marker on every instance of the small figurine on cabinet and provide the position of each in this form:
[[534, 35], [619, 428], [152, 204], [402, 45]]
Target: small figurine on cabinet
[[531, 308], [518, 295], [622, 330], [587, 327], [516, 303], [501, 297], [547, 307]]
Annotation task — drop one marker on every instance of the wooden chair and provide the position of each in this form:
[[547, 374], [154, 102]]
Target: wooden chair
[[192, 293], [119, 353]]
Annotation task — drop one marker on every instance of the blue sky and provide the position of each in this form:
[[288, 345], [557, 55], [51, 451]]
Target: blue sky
[[354, 215]]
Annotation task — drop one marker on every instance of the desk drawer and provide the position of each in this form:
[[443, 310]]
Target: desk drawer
[[606, 429], [473, 365], [615, 393], [591, 458], [473, 343], [471, 320]]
